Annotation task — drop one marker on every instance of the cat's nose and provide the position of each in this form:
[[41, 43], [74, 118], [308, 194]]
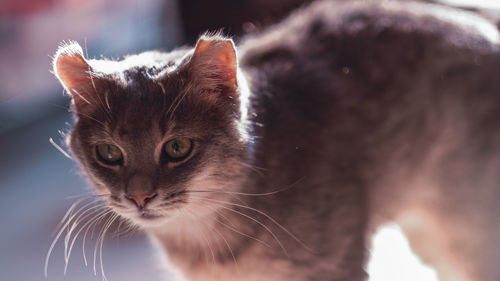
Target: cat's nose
[[141, 199]]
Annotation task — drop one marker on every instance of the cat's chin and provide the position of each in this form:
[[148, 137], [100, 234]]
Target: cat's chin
[[148, 219]]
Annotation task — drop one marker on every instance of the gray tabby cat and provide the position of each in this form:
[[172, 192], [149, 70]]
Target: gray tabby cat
[[279, 160]]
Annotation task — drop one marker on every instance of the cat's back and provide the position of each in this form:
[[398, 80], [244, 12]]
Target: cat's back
[[319, 25], [366, 71], [370, 41], [392, 105]]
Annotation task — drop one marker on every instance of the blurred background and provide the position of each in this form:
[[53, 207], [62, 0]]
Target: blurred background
[[37, 182]]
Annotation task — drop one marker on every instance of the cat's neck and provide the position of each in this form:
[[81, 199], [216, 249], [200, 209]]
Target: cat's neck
[[216, 232]]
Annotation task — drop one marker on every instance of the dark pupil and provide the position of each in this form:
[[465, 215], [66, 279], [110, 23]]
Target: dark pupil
[[176, 147], [110, 151]]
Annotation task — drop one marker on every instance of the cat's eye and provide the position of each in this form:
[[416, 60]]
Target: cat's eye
[[109, 154], [178, 149]]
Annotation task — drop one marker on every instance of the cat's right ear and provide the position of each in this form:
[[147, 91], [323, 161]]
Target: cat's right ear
[[75, 74], [214, 64]]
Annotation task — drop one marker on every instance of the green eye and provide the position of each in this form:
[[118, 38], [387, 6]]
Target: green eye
[[109, 154], [178, 149]]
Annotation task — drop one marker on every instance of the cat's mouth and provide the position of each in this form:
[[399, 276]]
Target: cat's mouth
[[154, 213], [147, 218], [147, 215], [150, 216]]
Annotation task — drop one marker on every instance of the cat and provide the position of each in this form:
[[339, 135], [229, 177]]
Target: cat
[[277, 159]]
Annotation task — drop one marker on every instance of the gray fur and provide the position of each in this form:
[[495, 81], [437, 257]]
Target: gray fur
[[358, 114]]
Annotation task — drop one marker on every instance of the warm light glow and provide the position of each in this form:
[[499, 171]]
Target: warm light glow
[[482, 4], [393, 260]]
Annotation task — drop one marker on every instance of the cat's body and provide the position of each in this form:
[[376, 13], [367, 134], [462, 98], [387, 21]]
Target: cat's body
[[358, 114], [401, 120]]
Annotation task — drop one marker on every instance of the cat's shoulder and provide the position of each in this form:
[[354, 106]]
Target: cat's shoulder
[[338, 19]]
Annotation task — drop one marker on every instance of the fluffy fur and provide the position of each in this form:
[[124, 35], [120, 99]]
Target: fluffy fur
[[320, 129]]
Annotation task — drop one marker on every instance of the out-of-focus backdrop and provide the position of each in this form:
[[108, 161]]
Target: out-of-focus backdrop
[[37, 182]]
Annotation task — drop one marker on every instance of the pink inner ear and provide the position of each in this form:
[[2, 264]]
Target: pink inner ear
[[72, 70], [219, 57], [74, 73]]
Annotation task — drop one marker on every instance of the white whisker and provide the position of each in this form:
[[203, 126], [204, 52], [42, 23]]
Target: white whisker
[[67, 218], [94, 221], [97, 243], [102, 241], [256, 169], [87, 195], [178, 103], [80, 96], [59, 148], [75, 220], [95, 213], [68, 212], [268, 217], [207, 241], [256, 221], [248, 194], [232, 227], [225, 241]]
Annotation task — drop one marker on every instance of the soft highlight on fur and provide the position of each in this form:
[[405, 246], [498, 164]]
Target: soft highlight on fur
[[305, 138]]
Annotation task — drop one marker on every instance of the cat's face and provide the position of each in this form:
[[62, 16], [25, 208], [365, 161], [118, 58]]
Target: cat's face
[[157, 133]]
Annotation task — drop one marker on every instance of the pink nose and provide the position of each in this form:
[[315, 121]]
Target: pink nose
[[141, 199]]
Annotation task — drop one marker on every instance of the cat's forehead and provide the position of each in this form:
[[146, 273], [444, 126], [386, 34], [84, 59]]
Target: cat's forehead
[[139, 73], [145, 106], [139, 109], [147, 94], [152, 62], [137, 135], [143, 91]]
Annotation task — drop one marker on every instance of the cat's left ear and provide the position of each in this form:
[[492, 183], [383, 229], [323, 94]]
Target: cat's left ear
[[76, 75], [214, 64]]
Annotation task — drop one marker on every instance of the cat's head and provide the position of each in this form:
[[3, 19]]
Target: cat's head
[[157, 132]]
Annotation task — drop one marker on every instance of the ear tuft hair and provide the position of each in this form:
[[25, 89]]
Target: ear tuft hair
[[74, 73], [214, 63]]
